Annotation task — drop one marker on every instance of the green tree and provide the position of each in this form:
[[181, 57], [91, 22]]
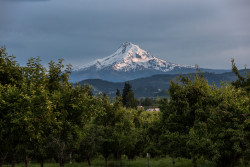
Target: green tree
[[25, 107], [178, 114], [147, 101], [10, 71], [75, 108], [118, 93], [90, 143], [124, 132], [25, 114], [241, 82], [205, 121], [119, 134], [128, 98], [36, 81], [127, 88], [151, 132], [226, 126], [105, 122], [10, 75]]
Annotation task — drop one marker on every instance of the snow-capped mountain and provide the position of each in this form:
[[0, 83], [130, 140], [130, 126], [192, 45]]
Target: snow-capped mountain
[[128, 62], [130, 57]]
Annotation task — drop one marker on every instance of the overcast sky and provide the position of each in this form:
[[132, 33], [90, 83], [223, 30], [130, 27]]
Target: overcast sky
[[204, 32]]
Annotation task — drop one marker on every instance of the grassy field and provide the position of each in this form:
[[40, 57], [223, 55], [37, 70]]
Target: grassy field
[[140, 162]]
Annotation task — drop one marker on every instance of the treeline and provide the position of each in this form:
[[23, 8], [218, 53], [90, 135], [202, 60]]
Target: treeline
[[44, 117]]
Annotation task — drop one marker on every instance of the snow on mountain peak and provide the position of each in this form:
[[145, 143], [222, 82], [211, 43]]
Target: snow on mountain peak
[[130, 57]]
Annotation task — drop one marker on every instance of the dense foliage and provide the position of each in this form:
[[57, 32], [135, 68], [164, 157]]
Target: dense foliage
[[44, 117]]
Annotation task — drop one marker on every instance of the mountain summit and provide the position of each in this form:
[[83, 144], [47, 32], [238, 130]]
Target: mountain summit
[[128, 62], [130, 58]]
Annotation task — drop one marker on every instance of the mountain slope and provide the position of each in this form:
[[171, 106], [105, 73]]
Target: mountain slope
[[155, 85]]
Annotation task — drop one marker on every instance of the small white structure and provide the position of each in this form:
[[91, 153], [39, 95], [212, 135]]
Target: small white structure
[[153, 109], [141, 107]]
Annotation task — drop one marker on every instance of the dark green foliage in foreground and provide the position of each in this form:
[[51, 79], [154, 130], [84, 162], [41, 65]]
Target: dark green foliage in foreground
[[10, 72], [206, 121], [45, 118], [40, 112]]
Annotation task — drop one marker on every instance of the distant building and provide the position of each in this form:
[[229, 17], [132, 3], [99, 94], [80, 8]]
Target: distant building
[[140, 107], [153, 109]]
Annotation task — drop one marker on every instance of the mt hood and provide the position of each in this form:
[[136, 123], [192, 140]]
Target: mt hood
[[130, 58], [128, 62]]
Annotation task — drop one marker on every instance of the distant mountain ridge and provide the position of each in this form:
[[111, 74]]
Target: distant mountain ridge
[[156, 85], [127, 63]]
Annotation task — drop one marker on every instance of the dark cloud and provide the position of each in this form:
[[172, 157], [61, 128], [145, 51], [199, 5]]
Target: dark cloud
[[208, 33]]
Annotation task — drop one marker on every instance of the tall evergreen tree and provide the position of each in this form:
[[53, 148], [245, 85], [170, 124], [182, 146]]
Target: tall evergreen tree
[[241, 82], [128, 97], [127, 88], [118, 93]]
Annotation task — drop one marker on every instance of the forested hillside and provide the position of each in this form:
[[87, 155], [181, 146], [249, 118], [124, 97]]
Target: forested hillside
[[156, 85], [44, 117]]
